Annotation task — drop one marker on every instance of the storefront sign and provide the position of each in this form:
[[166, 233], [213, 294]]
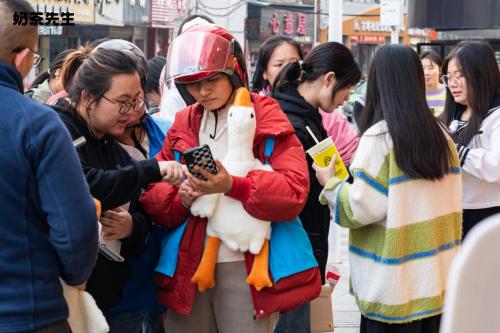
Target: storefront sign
[[263, 22], [275, 24], [83, 9], [163, 13], [109, 12], [50, 30], [303, 39], [367, 39], [391, 12], [136, 12], [288, 28], [373, 26], [301, 24], [291, 24], [418, 32], [142, 3]]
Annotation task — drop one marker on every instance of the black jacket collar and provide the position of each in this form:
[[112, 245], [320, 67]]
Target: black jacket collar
[[76, 124], [294, 104]]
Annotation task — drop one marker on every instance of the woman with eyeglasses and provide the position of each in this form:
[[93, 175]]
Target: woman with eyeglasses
[[472, 114], [435, 92], [105, 94]]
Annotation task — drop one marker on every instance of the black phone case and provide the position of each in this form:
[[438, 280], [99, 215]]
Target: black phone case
[[200, 156]]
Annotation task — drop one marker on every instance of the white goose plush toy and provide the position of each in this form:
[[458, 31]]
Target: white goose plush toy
[[227, 219]]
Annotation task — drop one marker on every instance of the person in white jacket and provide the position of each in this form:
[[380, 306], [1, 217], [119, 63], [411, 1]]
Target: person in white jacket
[[472, 114], [404, 207]]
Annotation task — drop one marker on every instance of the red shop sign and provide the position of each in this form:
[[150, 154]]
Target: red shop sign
[[288, 21], [368, 39]]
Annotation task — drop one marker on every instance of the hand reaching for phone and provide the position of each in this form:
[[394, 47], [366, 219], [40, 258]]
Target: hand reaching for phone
[[171, 171], [222, 182], [187, 194]]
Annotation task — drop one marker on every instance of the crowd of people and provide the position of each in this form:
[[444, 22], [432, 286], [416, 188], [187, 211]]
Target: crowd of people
[[93, 153]]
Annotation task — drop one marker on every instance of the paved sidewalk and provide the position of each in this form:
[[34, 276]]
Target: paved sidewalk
[[346, 315]]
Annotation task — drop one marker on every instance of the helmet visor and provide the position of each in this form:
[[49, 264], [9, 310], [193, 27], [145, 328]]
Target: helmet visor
[[194, 56]]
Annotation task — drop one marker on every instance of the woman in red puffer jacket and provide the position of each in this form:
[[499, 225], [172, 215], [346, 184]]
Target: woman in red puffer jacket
[[209, 79]]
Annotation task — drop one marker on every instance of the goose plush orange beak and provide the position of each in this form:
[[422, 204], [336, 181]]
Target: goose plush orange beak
[[242, 97]]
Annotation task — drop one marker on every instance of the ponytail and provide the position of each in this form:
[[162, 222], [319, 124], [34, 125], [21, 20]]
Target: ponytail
[[325, 58], [71, 64], [290, 74]]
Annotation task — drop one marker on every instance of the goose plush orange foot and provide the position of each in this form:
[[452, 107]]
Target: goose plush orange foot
[[204, 276], [98, 208], [259, 276]]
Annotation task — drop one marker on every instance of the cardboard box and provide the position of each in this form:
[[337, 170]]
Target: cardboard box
[[322, 311]]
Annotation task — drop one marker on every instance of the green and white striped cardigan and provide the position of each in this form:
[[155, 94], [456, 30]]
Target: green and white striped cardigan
[[404, 232]]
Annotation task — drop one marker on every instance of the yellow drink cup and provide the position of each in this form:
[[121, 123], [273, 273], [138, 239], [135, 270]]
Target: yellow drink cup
[[322, 154]]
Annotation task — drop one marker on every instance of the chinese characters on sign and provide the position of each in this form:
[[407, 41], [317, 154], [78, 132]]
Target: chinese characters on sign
[[391, 12], [375, 26], [50, 30], [368, 39], [37, 18], [288, 24], [275, 24], [288, 30], [301, 24]]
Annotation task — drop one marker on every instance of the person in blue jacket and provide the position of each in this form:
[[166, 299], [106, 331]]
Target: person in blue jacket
[[47, 216], [138, 310]]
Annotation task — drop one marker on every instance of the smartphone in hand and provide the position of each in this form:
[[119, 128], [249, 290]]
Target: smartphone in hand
[[200, 156]]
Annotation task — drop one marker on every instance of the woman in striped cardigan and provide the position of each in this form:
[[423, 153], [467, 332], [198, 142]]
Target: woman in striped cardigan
[[404, 207]]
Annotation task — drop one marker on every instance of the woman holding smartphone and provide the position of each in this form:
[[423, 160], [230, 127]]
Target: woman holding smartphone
[[209, 77]]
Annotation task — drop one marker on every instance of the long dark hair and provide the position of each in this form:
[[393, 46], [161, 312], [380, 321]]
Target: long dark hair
[[56, 64], [476, 61], [396, 94], [325, 58], [93, 71], [265, 53]]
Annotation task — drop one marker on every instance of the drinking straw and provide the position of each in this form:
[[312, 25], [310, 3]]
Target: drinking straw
[[312, 134]]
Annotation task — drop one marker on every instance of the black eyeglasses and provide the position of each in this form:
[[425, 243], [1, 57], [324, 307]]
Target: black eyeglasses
[[125, 107], [37, 59]]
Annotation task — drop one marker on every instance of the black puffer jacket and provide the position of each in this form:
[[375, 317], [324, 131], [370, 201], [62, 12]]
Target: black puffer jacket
[[114, 179], [315, 217]]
